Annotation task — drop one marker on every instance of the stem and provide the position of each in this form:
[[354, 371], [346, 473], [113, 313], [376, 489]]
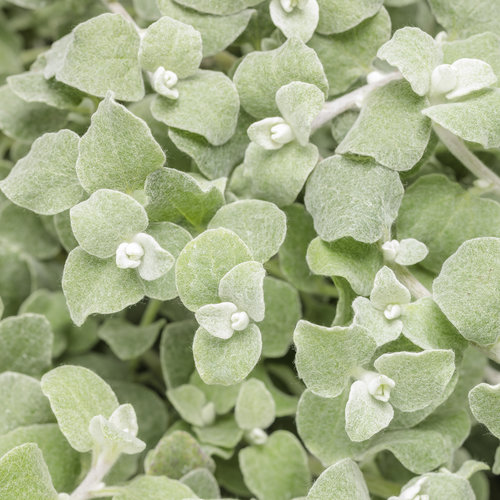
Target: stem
[[338, 106], [151, 312], [462, 153], [93, 479], [118, 8], [411, 282]]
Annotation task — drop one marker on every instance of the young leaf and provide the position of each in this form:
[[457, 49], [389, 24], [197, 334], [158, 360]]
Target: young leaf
[[45, 180], [118, 150], [220, 7], [202, 482], [153, 487], [348, 197], [484, 402], [255, 407], [299, 23], [96, 64], [76, 395], [191, 404]]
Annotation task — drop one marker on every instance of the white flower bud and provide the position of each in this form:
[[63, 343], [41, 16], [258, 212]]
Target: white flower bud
[[444, 79], [378, 385], [164, 81], [256, 436], [282, 133], [392, 311], [390, 250], [239, 320], [129, 255], [290, 5]]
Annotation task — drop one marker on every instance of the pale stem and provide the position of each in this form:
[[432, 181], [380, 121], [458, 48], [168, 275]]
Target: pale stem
[[338, 106], [491, 375], [93, 479], [460, 151], [410, 281]]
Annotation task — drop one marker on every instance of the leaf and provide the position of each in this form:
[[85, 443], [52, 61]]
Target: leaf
[[255, 407], [203, 263], [344, 14], [221, 7], [475, 266], [24, 475], [45, 180], [33, 87], [276, 470], [207, 105], [299, 23], [25, 344], [27, 121], [202, 482], [387, 290], [326, 357], [181, 197], [355, 261], [175, 455], [191, 404], [224, 432], [277, 328], [63, 462], [472, 75], [365, 415], [466, 17], [410, 252], [484, 401], [105, 220], [96, 64], [353, 198], [261, 74], [415, 54], [390, 128], [159, 47], [227, 362], [92, 285], [442, 203], [216, 319], [348, 56], [340, 481], [128, 341], [420, 377], [118, 150], [278, 176], [76, 395], [243, 286], [23, 402], [473, 119], [222, 397], [151, 488], [217, 32], [260, 224]]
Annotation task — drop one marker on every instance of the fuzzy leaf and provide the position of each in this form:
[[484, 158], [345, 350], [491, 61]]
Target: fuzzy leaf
[[354, 198], [160, 47], [76, 395], [202, 482], [221, 7], [326, 356], [255, 407], [299, 23], [102, 55], [390, 128], [262, 74], [388, 290], [484, 402], [45, 180], [203, 263], [227, 362], [207, 105], [216, 319], [118, 150], [223, 433], [154, 487], [476, 267], [189, 401], [276, 470], [107, 219]]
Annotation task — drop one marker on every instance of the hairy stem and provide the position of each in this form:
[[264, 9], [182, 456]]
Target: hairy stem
[[410, 281], [93, 479], [460, 151], [338, 106]]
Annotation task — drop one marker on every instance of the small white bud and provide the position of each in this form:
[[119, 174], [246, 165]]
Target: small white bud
[[392, 311], [239, 320], [441, 37], [256, 436], [164, 81], [129, 255], [390, 250], [375, 77], [483, 184], [282, 133], [378, 385], [444, 79], [412, 493], [289, 5]]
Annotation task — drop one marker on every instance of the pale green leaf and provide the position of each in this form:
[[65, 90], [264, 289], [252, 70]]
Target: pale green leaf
[[262, 74], [203, 263], [102, 55], [202, 482], [221, 7], [410, 252], [107, 219], [255, 407], [154, 487], [390, 128], [118, 150], [45, 180], [340, 481], [260, 224], [216, 319], [223, 433], [76, 395], [348, 197], [207, 105], [484, 401], [475, 266], [276, 470], [471, 75], [92, 285], [388, 290], [190, 402], [227, 362], [326, 357], [25, 344], [24, 475], [299, 23], [161, 43]]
